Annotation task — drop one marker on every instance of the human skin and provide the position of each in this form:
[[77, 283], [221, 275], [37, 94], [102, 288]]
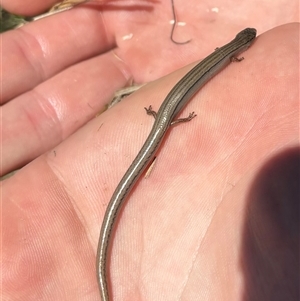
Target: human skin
[[216, 219]]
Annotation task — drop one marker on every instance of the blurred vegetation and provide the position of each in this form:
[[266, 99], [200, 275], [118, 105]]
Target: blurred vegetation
[[9, 21]]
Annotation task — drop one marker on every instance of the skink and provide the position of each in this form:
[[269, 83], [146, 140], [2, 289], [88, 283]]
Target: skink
[[171, 106]]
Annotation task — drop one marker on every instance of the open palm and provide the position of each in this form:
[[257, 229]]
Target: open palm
[[201, 226]]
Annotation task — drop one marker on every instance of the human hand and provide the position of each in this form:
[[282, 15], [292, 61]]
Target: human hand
[[181, 241]]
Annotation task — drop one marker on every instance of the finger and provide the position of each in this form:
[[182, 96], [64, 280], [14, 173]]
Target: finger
[[39, 50], [27, 8], [43, 117], [37, 7]]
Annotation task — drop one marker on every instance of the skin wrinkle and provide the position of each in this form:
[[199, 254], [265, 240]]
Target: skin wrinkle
[[60, 178], [123, 68], [239, 145], [25, 37], [46, 106], [193, 261]]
